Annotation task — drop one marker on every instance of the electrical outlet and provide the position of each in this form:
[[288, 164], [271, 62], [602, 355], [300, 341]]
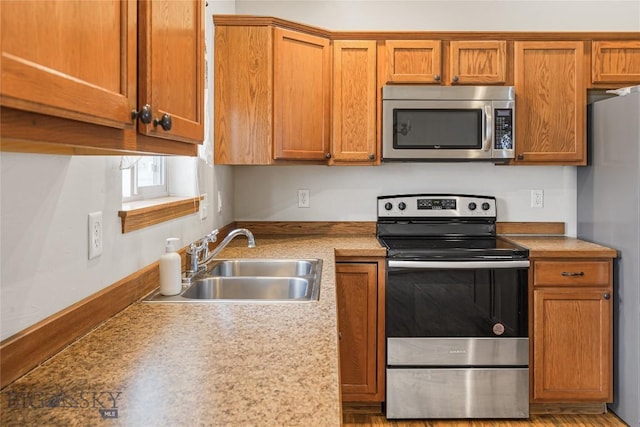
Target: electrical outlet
[[204, 207], [537, 198], [219, 201], [303, 198], [95, 234]]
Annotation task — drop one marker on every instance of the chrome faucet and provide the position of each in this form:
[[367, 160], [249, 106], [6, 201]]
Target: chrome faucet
[[200, 255]]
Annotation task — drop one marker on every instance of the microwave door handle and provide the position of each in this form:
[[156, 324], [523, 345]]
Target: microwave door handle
[[488, 126]]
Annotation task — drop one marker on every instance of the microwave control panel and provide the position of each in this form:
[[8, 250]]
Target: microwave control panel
[[503, 129]]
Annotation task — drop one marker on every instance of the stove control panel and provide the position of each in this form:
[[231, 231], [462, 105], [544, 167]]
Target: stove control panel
[[436, 205]]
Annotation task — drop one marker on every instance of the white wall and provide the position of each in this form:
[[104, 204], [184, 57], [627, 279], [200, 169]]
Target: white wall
[[348, 193], [453, 15], [44, 204]]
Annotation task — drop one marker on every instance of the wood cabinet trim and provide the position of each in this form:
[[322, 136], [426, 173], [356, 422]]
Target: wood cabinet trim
[[249, 20]]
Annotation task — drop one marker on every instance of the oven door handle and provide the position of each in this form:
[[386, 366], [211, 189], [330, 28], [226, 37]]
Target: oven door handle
[[461, 265]]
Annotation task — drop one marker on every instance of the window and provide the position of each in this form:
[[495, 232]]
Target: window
[[156, 189], [144, 178]]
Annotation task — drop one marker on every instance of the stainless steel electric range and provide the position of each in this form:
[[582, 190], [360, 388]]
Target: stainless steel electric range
[[456, 309]]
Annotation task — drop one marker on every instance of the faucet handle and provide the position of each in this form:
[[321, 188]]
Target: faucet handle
[[213, 236], [193, 249]]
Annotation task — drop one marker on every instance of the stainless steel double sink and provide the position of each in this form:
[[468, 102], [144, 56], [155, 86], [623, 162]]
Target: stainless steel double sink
[[252, 280]]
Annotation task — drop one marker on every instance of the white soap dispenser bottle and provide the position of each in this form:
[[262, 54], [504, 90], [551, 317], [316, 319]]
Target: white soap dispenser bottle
[[170, 269]]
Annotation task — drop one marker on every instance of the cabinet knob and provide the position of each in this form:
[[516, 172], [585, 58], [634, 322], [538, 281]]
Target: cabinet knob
[[328, 155], [372, 156], [144, 114], [436, 77], [455, 79], [520, 157], [164, 122], [607, 295]]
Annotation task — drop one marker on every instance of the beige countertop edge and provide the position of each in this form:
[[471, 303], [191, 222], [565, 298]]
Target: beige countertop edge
[[201, 364]]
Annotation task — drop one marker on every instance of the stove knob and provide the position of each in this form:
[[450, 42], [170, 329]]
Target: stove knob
[[472, 206], [485, 206], [388, 206], [402, 206]]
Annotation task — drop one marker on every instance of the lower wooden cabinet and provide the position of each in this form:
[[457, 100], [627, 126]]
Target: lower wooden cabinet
[[360, 295], [572, 331]]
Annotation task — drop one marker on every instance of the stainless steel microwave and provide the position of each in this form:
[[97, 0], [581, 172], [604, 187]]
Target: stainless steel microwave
[[422, 123]]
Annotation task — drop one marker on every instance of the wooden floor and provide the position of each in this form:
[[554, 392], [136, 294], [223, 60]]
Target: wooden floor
[[368, 420]]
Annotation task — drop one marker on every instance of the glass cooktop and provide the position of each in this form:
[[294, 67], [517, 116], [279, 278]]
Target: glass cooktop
[[450, 248]]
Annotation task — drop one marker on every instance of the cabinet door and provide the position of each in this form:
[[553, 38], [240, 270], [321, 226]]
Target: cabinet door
[[414, 61], [171, 68], [302, 83], [478, 62], [550, 103], [354, 102], [615, 62], [243, 95], [357, 295], [70, 59], [572, 345]]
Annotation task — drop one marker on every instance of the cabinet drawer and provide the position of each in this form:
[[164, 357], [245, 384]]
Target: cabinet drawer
[[570, 273]]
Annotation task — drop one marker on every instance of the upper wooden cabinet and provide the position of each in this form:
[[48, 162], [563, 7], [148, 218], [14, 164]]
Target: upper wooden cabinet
[[414, 61], [171, 68], [572, 330], [72, 82], [354, 131], [271, 97], [551, 92], [302, 85], [77, 60], [469, 61], [478, 62], [615, 63]]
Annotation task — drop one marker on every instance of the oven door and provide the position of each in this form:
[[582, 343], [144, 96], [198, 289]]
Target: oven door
[[456, 299], [457, 343]]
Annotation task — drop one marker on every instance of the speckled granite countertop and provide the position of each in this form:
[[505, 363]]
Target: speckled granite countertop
[[231, 364], [561, 247]]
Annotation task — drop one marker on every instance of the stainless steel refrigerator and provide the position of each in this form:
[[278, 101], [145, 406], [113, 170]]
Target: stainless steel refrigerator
[[609, 214]]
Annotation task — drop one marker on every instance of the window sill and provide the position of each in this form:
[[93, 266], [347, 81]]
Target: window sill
[[144, 213]]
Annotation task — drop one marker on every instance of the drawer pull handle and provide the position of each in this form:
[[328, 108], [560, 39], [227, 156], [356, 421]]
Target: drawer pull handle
[[572, 274]]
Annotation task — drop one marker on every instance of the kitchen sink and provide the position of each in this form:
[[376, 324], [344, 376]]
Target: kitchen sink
[[262, 267], [252, 280], [249, 288]]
